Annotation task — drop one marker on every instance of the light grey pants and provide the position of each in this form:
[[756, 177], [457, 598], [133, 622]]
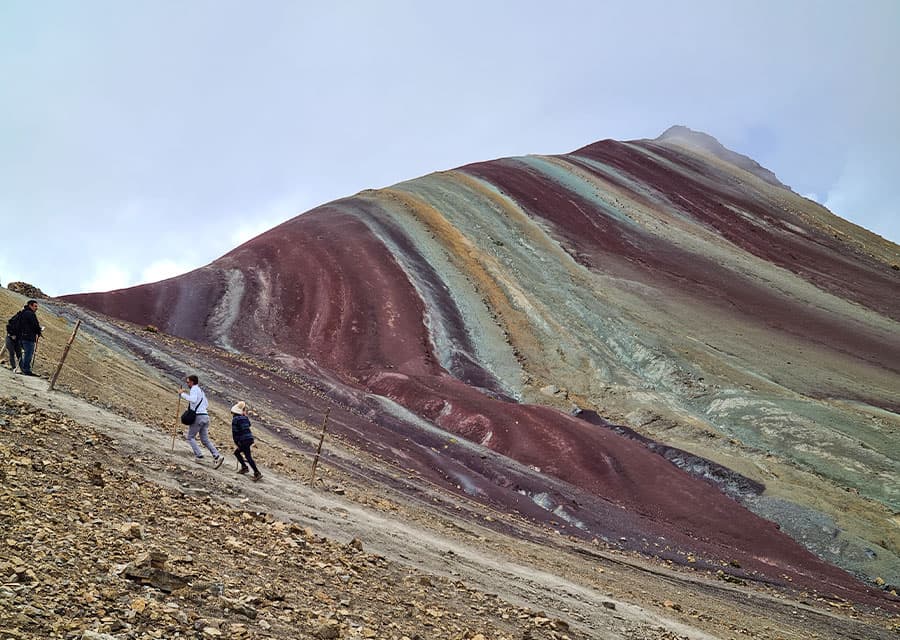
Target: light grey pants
[[14, 349], [201, 426]]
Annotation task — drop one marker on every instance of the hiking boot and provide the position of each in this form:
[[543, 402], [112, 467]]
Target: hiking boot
[[257, 476], [243, 469], [198, 459], [217, 461]]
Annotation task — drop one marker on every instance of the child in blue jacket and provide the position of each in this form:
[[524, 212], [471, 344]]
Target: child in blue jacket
[[243, 438]]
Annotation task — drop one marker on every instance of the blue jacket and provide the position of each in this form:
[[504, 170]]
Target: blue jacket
[[240, 429]]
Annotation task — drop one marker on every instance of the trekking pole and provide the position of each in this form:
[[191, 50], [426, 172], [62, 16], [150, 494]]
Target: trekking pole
[[175, 430], [312, 473], [37, 340], [65, 354]]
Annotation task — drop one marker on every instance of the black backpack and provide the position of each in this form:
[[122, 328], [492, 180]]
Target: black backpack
[[12, 325]]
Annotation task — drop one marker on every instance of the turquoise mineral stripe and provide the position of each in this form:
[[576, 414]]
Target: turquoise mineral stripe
[[622, 178], [571, 181], [658, 159]]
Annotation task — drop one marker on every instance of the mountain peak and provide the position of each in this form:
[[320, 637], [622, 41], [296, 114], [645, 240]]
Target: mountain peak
[[699, 141], [506, 306]]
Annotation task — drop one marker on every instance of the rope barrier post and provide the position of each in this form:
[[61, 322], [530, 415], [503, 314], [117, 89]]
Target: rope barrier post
[[312, 473], [177, 411], [62, 359]]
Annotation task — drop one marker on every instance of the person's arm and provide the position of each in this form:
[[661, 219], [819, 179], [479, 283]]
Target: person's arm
[[192, 396]]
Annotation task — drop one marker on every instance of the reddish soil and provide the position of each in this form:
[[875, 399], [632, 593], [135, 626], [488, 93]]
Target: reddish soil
[[810, 253]]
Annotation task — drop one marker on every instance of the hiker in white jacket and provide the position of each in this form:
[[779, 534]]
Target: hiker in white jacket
[[198, 402]]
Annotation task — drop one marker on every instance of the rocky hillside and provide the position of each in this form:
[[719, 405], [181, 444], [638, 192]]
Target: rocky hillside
[[740, 343], [86, 559], [111, 530]]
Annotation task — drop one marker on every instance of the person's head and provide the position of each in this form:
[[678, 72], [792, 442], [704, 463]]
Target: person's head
[[192, 380], [239, 409], [32, 304]]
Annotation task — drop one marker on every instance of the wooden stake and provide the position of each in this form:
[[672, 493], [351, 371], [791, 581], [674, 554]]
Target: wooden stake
[[177, 415], [37, 341], [62, 359], [312, 473]]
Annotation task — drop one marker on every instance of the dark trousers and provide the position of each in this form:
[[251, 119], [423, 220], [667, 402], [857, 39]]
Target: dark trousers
[[27, 356], [15, 351], [244, 448]]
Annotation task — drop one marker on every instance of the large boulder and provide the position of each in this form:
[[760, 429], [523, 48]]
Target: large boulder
[[27, 290]]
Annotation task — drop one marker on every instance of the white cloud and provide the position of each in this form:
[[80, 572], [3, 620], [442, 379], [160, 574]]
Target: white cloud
[[162, 269], [107, 276], [271, 215], [135, 155], [866, 193], [249, 231], [7, 273]]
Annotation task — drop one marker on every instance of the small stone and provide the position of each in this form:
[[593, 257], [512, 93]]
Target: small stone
[[132, 531], [153, 559], [356, 543], [609, 605], [157, 578], [328, 630], [24, 574], [138, 605], [241, 608], [550, 390]]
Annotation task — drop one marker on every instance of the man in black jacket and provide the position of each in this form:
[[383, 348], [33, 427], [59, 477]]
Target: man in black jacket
[[29, 332]]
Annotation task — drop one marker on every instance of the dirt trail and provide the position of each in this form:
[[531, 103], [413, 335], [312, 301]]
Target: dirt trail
[[547, 578], [332, 517]]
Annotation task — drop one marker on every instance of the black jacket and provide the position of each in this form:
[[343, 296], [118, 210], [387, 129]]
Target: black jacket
[[29, 327]]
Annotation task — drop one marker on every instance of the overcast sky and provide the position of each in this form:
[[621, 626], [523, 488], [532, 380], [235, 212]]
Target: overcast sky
[[139, 140]]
